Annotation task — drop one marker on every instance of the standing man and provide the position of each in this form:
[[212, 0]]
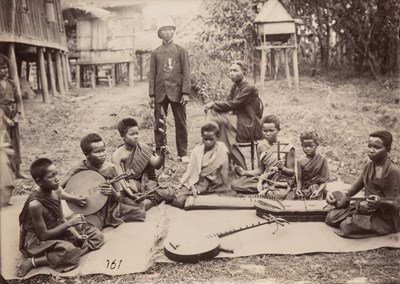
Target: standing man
[[10, 103], [169, 83]]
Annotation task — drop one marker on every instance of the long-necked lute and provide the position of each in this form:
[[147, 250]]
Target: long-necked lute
[[87, 183], [198, 248]]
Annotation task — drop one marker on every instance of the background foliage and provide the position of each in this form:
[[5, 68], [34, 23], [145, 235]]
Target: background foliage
[[356, 36]]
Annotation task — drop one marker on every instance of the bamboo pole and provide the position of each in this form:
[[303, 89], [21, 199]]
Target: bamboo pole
[[60, 79], [14, 73], [64, 71], [43, 76], [51, 73]]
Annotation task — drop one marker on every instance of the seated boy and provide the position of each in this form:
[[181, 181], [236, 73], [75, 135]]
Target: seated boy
[[276, 165], [313, 172], [137, 157], [380, 179], [207, 170], [46, 237], [114, 212]]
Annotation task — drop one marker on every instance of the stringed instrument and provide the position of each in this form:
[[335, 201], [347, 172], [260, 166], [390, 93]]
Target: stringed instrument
[[296, 210], [192, 250], [87, 183], [232, 202]]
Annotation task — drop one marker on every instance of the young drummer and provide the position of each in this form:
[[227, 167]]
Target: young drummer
[[313, 172], [380, 179], [114, 212], [46, 237], [207, 172], [138, 157]]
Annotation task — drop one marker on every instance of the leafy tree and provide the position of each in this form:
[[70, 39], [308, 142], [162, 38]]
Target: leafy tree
[[229, 32]]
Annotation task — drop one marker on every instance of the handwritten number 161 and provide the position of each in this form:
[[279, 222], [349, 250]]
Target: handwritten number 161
[[113, 264]]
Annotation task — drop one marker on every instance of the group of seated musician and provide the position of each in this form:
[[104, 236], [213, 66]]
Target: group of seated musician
[[47, 238]]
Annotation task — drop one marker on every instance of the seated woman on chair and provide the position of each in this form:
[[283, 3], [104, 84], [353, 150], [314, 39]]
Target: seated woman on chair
[[247, 107]]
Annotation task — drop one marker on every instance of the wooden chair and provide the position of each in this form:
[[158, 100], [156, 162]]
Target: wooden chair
[[253, 149]]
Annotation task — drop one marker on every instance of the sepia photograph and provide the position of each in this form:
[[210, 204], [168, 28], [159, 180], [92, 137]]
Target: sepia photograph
[[199, 141]]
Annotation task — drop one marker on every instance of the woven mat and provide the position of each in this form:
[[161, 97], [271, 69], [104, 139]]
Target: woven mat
[[295, 238], [130, 246]]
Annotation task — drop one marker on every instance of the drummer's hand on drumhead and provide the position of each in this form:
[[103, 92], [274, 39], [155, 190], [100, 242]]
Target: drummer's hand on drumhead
[[79, 201], [106, 189], [330, 198]]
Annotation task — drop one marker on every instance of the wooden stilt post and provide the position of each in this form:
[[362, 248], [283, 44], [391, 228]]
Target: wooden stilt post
[[273, 55], [295, 66], [60, 80], [28, 70], [51, 73], [14, 72], [263, 65], [78, 75], [69, 78], [19, 67], [64, 71], [43, 76], [130, 74], [39, 85], [287, 71], [93, 77], [113, 80], [116, 73], [141, 66]]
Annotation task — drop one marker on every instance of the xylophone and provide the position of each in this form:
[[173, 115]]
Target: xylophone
[[296, 210], [233, 202]]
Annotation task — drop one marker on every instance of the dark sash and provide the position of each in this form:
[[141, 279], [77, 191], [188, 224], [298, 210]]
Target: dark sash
[[138, 159]]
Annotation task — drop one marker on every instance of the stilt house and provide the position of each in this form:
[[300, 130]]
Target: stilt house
[[102, 34], [32, 34]]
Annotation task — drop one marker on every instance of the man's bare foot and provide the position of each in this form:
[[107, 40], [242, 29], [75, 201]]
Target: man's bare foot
[[24, 266]]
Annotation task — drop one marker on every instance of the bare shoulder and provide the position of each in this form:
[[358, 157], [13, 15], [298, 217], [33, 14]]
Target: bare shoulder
[[35, 206], [120, 153], [263, 146]]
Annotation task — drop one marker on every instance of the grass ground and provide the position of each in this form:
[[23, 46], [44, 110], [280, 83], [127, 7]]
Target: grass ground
[[342, 112]]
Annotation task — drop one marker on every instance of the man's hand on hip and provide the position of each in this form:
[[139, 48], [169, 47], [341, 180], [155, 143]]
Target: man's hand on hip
[[151, 102]]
